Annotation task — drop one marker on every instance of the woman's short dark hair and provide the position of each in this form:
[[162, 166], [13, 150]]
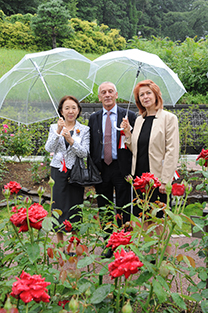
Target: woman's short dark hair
[[63, 99], [155, 88]]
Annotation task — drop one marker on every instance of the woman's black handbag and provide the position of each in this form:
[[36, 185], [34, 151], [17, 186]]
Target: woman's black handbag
[[84, 174]]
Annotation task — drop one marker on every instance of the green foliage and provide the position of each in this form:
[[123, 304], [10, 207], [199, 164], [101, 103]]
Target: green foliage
[[16, 36], [192, 132], [41, 170], [89, 37], [15, 140], [3, 168], [188, 59], [51, 21]]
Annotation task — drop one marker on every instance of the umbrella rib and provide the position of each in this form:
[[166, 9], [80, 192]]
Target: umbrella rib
[[44, 83], [166, 85]]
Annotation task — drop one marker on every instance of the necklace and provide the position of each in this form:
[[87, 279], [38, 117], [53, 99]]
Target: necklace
[[70, 128]]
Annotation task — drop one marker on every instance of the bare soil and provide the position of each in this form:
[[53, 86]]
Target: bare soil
[[21, 173]]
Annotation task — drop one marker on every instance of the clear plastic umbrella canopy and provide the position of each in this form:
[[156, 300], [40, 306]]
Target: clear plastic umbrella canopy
[[31, 90], [128, 67]]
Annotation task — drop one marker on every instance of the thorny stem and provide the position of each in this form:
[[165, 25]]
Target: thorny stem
[[118, 296], [161, 238], [126, 284]]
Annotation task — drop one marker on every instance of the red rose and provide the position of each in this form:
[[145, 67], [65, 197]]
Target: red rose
[[126, 263], [73, 238], [36, 214], [203, 155], [117, 239], [13, 186], [68, 225], [145, 182], [63, 303], [28, 288], [178, 189]]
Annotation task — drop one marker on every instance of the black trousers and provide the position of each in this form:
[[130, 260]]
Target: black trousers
[[65, 196], [114, 181]]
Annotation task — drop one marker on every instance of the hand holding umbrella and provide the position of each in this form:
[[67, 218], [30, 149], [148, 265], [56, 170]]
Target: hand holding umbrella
[[126, 127]]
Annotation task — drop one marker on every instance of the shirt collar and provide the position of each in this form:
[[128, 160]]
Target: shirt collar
[[113, 110]]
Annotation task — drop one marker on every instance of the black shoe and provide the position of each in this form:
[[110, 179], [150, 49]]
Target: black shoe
[[108, 254]]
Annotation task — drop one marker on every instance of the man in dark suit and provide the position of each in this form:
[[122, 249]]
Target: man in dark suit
[[113, 173]]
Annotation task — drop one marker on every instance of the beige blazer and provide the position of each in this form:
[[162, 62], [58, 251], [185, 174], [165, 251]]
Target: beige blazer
[[163, 145]]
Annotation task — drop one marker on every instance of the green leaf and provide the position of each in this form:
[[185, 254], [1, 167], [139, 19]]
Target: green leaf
[[192, 289], [205, 293], [86, 261], [204, 306], [136, 251], [203, 275], [84, 287], [100, 293], [176, 218], [47, 224], [197, 297], [159, 291], [201, 284], [144, 277], [205, 174], [178, 300], [104, 271], [163, 282], [33, 251]]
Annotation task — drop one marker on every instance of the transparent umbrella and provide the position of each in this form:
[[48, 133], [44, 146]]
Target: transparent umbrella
[[31, 90], [127, 67]]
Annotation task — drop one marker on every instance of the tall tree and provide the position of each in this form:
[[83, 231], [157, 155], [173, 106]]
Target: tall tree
[[72, 7], [52, 21], [15, 6]]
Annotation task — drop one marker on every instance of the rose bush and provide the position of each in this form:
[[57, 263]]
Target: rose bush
[[77, 282]]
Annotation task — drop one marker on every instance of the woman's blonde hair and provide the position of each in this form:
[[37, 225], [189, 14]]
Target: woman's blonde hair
[[155, 88]]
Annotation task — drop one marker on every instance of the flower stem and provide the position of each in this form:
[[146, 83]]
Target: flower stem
[[118, 297]]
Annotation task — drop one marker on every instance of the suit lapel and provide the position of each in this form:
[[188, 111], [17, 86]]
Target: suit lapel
[[99, 124], [119, 120]]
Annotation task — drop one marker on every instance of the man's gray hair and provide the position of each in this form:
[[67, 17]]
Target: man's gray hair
[[107, 83]]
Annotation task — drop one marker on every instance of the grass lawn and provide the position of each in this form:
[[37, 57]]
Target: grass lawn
[[10, 57]]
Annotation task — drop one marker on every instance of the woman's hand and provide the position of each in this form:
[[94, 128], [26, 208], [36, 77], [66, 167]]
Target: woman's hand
[[61, 125], [162, 188], [126, 127], [67, 135]]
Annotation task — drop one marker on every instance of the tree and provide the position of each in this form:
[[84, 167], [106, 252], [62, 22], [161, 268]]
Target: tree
[[72, 7], [16, 6], [52, 21]]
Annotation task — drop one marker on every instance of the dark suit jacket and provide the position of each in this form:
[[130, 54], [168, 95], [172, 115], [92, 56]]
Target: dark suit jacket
[[96, 138]]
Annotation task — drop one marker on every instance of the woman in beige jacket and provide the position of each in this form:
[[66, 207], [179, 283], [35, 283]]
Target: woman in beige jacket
[[154, 141]]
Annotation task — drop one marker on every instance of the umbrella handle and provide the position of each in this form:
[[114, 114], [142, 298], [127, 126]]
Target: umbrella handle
[[118, 128]]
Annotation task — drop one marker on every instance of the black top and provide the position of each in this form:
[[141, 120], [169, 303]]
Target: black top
[[66, 142], [142, 165]]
